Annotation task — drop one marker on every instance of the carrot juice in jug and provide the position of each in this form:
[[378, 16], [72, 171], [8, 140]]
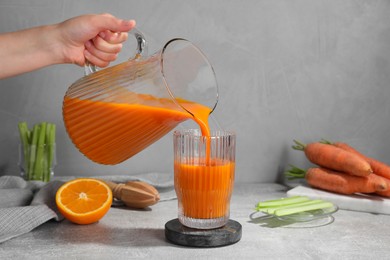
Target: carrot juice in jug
[[109, 133]]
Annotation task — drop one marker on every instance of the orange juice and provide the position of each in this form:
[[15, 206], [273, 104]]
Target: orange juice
[[204, 190], [109, 133]]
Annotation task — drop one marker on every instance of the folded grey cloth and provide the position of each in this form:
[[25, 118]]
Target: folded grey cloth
[[24, 205]]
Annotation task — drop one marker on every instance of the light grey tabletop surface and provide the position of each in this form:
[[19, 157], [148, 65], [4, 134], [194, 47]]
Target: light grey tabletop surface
[[135, 234]]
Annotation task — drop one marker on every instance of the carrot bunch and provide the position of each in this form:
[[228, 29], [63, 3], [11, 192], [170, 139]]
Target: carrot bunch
[[342, 169]]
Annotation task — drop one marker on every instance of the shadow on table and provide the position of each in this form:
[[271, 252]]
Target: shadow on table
[[69, 233]]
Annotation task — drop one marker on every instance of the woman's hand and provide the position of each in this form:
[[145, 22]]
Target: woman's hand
[[97, 38]]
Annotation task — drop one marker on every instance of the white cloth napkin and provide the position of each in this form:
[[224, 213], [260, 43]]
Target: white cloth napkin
[[24, 205]]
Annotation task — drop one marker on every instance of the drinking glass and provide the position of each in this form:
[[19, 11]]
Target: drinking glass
[[204, 169], [37, 162]]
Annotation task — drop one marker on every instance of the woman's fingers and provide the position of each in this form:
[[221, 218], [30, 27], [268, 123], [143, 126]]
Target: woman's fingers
[[103, 51], [104, 48], [113, 37], [98, 57], [95, 60]]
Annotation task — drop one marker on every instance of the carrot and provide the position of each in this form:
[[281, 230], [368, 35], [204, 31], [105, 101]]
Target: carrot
[[385, 193], [378, 167], [338, 182], [334, 158]]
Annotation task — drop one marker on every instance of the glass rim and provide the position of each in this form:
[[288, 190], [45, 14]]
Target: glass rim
[[197, 133], [164, 75]]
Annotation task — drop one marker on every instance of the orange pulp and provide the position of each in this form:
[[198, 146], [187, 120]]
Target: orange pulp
[[84, 200]]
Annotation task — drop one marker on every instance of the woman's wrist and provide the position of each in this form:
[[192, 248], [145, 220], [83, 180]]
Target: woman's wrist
[[52, 47]]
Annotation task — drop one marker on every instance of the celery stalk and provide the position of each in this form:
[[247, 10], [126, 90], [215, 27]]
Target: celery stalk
[[33, 150], [45, 168], [25, 143], [50, 149], [291, 205], [38, 167], [301, 208], [23, 131], [301, 204], [281, 202]]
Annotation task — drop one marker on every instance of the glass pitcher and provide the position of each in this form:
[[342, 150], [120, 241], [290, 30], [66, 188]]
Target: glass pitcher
[[113, 113]]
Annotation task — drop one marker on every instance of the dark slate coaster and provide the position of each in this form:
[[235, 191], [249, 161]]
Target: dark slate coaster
[[178, 234]]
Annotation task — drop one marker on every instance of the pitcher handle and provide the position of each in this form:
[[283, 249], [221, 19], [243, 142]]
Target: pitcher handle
[[142, 50]]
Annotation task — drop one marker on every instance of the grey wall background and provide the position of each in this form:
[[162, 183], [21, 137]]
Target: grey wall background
[[287, 69]]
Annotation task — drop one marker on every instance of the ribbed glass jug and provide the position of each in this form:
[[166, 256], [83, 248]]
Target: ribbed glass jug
[[113, 113]]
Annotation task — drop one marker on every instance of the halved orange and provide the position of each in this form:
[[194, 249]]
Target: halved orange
[[84, 200]]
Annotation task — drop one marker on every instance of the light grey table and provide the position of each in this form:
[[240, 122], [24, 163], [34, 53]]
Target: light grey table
[[135, 234]]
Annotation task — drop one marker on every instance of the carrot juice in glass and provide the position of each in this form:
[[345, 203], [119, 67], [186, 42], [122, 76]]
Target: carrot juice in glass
[[204, 175]]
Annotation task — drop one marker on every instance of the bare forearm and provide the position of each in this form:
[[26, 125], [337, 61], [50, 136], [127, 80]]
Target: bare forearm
[[97, 38], [27, 50]]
